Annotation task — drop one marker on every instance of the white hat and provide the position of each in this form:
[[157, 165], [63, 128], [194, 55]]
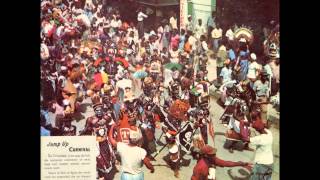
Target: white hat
[[253, 56], [242, 40], [70, 55], [189, 16], [66, 102], [173, 149], [152, 33], [63, 68]]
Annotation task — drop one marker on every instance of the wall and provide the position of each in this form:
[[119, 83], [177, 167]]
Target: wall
[[201, 9]]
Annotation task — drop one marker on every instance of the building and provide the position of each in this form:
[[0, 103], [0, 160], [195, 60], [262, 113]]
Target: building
[[198, 9], [159, 9]]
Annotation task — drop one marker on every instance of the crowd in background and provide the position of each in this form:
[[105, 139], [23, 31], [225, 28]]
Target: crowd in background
[[88, 52]]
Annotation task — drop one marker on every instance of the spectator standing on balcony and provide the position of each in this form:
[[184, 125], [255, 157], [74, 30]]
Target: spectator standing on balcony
[[189, 24], [140, 19], [199, 29], [173, 22]]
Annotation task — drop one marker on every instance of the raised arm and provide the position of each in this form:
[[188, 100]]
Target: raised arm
[[223, 163], [143, 15]]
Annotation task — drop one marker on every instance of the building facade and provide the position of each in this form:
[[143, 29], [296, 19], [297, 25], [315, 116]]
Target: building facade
[[198, 9]]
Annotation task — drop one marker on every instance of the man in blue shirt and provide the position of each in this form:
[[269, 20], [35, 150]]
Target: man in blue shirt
[[182, 39], [231, 55], [211, 23], [43, 131], [244, 65]]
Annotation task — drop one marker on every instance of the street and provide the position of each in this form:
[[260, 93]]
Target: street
[[93, 51], [162, 171]]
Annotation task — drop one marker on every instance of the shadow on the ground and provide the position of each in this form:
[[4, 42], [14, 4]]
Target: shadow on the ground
[[219, 133], [242, 172], [78, 116], [274, 121], [83, 107], [161, 165]]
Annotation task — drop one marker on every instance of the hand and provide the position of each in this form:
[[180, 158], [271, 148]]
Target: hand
[[249, 166], [242, 163]]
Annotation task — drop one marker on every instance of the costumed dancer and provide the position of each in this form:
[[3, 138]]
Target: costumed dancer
[[206, 165], [99, 125]]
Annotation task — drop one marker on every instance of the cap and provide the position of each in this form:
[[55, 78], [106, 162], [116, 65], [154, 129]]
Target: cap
[[152, 33], [253, 56], [63, 68], [66, 102], [173, 149], [209, 150]]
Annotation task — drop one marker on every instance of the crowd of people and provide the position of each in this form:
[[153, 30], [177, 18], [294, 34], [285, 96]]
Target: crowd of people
[[141, 79]]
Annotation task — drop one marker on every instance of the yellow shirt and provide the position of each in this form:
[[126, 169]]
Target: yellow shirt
[[104, 77]]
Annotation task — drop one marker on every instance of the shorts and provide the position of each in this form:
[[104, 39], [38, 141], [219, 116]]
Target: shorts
[[128, 176]]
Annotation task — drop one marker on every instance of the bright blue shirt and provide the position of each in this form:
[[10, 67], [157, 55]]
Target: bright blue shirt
[[211, 22], [226, 74], [181, 44], [44, 131], [231, 54], [46, 116]]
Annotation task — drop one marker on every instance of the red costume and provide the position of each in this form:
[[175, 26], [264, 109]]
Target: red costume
[[201, 170]]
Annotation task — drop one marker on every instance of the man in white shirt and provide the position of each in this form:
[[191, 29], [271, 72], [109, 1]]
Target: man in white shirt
[[216, 35], [140, 19], [199, 29], [204, 44], [230, 34], [263, 157], [192, 40], [132, 156], [254, 68], [100, 19], [189, 25], [173, 22], [114, 23]]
